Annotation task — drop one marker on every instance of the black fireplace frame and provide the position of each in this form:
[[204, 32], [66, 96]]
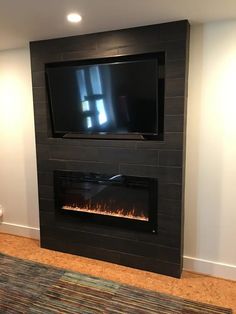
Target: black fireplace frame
[[64, 178]]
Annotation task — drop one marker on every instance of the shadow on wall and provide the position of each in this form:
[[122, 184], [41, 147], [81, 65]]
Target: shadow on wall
[[204, 155], [18, 186], [210, 151]]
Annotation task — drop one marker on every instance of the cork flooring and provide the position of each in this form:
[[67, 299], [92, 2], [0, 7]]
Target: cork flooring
[[191, 286]]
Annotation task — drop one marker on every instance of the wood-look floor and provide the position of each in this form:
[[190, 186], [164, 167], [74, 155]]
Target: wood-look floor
[[191, 286]]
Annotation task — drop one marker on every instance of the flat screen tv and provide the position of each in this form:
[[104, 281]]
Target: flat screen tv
[[120, 97]]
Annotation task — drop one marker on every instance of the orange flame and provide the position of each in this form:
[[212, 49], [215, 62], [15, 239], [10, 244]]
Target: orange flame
[[104, 210]]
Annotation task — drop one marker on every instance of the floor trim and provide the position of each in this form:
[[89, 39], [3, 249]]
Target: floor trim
[[211, 268], [19, 230], [197, 265]]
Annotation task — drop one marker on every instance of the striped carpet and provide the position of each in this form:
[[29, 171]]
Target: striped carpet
[[32, 288]]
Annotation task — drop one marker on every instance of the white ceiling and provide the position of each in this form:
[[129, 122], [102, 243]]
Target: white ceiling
[[22, 21]]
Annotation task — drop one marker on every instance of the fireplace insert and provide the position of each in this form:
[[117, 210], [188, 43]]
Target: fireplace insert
[[117, 200]]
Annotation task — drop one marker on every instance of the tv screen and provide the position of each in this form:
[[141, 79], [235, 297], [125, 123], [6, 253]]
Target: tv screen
[[104, 97]]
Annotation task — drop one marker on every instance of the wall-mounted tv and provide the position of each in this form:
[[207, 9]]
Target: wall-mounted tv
[[118, 97]]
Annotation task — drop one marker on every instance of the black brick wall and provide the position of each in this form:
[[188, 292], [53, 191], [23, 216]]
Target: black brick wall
[[160, 159]]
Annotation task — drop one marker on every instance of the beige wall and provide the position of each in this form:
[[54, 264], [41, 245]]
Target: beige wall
[[18, 183], [210, 198]]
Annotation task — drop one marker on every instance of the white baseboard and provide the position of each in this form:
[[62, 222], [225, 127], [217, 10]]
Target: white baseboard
[[197, 265], [211, 268], [19, 230]]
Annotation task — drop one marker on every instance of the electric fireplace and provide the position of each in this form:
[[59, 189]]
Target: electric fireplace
[[126, 219], [122, 201]]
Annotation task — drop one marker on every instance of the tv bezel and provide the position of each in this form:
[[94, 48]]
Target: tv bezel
[[158, 135]]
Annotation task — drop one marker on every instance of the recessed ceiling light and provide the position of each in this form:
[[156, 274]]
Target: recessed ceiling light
[[74, 17]]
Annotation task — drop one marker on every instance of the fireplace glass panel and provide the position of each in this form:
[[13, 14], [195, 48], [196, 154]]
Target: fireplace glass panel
[[126, 201]]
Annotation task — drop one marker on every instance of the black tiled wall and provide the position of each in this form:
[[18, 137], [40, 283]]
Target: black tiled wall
[[161, 159]]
